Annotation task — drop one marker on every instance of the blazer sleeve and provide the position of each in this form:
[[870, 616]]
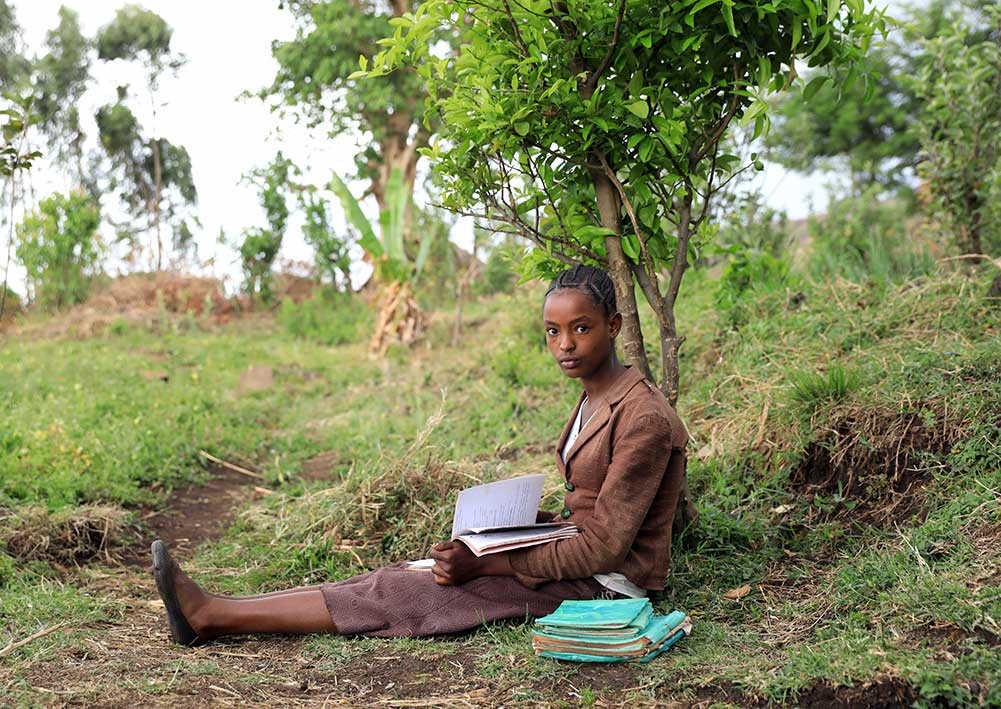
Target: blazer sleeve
[[641, 447]]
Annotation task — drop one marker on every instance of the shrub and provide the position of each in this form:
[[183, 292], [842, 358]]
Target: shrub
[[745, 284], [59, 248], [333, 319]]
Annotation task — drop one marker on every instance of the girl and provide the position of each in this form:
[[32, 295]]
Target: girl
[[621, 457]]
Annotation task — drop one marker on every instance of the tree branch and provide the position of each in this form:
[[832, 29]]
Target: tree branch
[[592, 80]]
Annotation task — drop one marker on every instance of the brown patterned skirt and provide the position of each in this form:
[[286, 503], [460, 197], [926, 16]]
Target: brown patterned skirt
[[394, 602]]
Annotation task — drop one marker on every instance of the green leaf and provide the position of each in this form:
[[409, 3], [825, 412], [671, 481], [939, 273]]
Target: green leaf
[[816, 83], [728, 16], [352, 211], [640, 109], [522, 128], [832, 9]]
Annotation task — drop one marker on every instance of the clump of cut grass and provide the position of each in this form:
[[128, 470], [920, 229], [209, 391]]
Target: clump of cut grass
[[811, 389], [69, 535]]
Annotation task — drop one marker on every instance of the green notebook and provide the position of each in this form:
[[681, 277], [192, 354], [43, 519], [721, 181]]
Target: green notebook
[[607, 631], [599, 615], [653, 633]]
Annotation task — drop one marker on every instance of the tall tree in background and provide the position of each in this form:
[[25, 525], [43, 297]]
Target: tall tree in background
[[62, 74], [864, 126], [594, 129], [139, 35], [14, 66], [870, 127], [313, 84]]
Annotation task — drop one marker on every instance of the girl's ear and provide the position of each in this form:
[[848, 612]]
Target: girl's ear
[[614, 324]]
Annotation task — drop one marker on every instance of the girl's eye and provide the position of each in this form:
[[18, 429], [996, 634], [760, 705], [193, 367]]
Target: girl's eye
[[582, 329], [551, 331]]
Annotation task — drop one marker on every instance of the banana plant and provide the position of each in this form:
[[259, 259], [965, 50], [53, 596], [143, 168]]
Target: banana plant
[[396, 274], [386, 248]]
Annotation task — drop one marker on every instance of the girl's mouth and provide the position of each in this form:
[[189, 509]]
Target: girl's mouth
[[569, 363]]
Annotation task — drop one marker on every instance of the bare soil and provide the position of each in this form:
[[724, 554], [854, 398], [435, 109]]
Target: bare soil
[[193, 514]]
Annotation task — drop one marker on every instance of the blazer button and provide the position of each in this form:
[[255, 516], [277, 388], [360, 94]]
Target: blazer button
[[569, 486], [565, 514]]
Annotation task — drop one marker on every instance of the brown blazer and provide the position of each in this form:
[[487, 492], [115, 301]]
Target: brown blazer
[[622, 477]]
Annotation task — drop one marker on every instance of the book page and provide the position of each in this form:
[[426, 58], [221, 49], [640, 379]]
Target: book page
[[498, 504]]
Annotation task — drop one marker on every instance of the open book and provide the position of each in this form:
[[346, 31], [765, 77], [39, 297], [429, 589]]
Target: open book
[[500, 516]]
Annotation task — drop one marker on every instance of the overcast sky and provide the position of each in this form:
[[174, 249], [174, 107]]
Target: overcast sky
[[228, 47]]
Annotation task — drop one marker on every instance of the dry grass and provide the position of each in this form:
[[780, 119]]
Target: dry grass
[[70, 535]]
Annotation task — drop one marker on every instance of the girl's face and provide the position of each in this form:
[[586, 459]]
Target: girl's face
[[580, 337]]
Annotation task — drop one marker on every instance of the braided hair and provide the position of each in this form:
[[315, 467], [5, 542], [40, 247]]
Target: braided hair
[[589, 280]]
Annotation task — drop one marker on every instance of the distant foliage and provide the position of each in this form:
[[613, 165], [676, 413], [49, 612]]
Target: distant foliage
[[261, 244], [960, 131], [331, 250], [748, 280], [499, 273], [338, 320], [62, 77], [60, 249], [867, 239]]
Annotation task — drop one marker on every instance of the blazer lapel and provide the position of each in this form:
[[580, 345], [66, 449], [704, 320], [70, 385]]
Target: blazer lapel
[[599, 417], [560, 463]]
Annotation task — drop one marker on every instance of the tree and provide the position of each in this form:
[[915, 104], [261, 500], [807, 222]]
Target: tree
[[62, 75], [866, 126], [869, 127], [60, 249], [960, 132], [14, 67], [314, 83], [593, 129], [331, 259], [261, 244], [15, 158], [137, 34], [153, 177]]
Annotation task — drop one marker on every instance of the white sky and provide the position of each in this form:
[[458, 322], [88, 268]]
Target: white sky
[[228, 47]]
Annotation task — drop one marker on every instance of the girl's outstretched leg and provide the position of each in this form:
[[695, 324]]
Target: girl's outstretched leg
[[195, 616]]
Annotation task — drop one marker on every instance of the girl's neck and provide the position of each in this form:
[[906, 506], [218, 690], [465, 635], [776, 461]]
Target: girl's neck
[[598, 383]]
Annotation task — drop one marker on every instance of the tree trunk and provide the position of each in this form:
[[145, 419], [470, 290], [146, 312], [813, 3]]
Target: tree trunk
[[609, 208], [670, 341], [158, 189]]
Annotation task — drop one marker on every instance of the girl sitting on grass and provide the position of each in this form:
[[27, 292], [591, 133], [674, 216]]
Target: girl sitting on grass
[[622, 460]]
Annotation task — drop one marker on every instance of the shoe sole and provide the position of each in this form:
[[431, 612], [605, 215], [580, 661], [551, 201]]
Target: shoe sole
[[180, 631]]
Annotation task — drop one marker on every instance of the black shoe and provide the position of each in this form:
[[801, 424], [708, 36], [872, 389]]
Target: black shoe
[[163, 571]]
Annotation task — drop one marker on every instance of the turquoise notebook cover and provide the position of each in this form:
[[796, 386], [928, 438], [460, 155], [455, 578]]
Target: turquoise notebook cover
[[579, 657], [596, 614], [653, 633]]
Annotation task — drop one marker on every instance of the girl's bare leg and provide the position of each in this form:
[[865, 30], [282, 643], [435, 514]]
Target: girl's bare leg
[[297, 611]]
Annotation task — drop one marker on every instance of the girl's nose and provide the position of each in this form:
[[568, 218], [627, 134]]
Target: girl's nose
[[566, 344]]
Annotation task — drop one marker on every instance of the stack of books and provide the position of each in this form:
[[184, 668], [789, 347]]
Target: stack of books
[[608, 631]]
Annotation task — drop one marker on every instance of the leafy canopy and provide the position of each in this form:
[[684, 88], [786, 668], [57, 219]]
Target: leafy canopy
[[543, 93]]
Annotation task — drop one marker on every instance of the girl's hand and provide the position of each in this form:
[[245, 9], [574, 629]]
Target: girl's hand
[[454, 564]]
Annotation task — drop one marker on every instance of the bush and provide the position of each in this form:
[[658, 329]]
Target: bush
[[745, 285], [59, 248], [333, 319], [866, 239], [499, 274]]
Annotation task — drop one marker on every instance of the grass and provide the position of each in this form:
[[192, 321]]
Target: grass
[[888, 567]]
